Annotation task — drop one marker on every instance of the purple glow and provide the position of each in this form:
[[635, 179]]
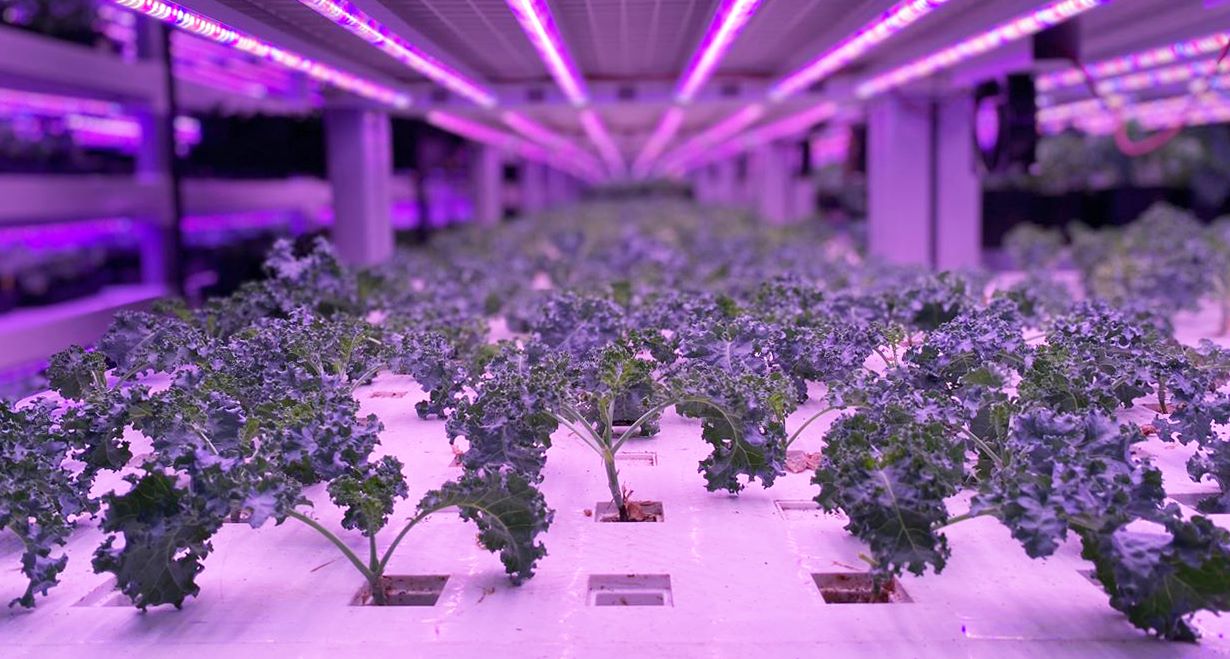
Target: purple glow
[[92, 124], [352, 18], [550, 139], [719, 132], [1145, 59], [1020, 27], [67, 235], [1167, 75], [210, 64], [896, 19], [667, 127], [830, 148], [195, 23], [484, 134], [13, 101], [731, 17], [598, 134], [1088, 116], [535, 19], [780, 129]]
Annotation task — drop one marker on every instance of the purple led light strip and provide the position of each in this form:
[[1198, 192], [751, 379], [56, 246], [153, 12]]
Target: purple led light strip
[[190, 21], [782, 128], [1153, 115], [667, 127], [1020, 27], [484, 134], [535, 19], [598, 134], [731, 17], [1145, 59], [352, 18], [713, 135], [896, 19]]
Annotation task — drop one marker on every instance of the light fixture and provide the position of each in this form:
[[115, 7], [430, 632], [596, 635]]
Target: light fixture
[[1145, 59], [1020, 27], [592, 123], [731, 17], [667, 127], [780, 129], [352, 18], [714, 134], [535, 19], [1088, 116], [895, 19], [484, 134], [190, 21]]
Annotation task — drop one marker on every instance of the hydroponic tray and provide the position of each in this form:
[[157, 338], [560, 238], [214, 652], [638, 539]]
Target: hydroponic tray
[[719, 576]]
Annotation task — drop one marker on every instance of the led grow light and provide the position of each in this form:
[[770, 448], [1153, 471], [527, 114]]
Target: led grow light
[[352, 18], [731, 17], [667, 127], [1090, 117], [14, 101], [1018, 28], [190, 21], [602, 139], [786, 127], [715, 134], [896, 19], [1145, 59], [548, 138], [535, 19], [485, 134]]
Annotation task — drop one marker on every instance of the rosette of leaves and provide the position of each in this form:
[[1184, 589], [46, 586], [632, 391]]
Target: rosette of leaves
[[743, 417], [433, 361], [1099, 356], [1034, 248], [576, 323], [1162, 261], [1198, 409], [507, 418], [49, 459], [1075, 472]]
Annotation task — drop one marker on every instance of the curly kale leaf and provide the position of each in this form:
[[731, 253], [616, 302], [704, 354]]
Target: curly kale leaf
[[743, 416], [1160, 579], [166, 531], [508, 421], [890, 473], [1061, 469], [368, 494], [433, 361], [509, 511], [39, 494]]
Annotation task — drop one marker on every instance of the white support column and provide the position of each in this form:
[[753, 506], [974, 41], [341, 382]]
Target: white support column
[[557, 188], [158, 244], [959, 198], [725, 183], [533, 188], [899, 180], [487, 184], [770, 183], [360, 155]]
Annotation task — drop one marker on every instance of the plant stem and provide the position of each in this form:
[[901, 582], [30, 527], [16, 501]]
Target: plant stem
[[337, 542], [808, 422], [612, 481], [1161, 396]]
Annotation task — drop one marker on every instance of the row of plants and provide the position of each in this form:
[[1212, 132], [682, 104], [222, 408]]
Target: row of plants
[[620, 312]]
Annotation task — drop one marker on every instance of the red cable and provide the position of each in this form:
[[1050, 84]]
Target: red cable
[[1147, 145]]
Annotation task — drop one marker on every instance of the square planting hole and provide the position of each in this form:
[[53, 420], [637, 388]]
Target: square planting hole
[[405, 590], [239, 516], [858, 588], [639, 511], [630, 590], [1202, 502], [804, 509], [105, 595], [637, 458]]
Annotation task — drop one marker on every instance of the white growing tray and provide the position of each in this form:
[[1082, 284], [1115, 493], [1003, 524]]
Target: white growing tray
[[740, 577]]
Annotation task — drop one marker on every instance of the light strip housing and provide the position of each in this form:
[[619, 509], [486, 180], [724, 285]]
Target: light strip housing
[[1139, 61], [190, 21], [353, 19], [484, 134], [780, 129], [715, 134], [1159, 114], [667, 127], [535, 19], [895, 19], [598, 134], [1053, 13], [731, 17]]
